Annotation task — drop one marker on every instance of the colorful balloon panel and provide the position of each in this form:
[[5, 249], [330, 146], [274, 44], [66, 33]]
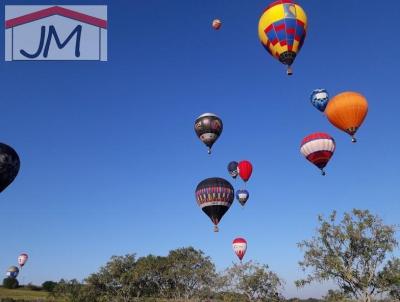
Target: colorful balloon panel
[[282, 29], [318, 148], [215, 196], [239, 246], [347, 111]]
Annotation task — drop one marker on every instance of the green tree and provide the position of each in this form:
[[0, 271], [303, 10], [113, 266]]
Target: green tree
[[390, 277], [350, 252], [114, 281], [190, 272], [49, 286], [73, 291], [255, 281], [10, 283]]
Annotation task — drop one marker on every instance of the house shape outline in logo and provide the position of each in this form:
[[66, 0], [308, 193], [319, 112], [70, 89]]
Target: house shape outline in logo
[[62, 11]]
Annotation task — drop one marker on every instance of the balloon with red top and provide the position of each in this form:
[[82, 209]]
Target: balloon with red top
[[239, 247], [245, 168], [318, 148]]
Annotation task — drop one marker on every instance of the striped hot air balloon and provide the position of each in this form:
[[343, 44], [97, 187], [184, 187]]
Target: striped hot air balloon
[[208, 127], [239, 247], [318, 148], [215, 196], [282, 29]]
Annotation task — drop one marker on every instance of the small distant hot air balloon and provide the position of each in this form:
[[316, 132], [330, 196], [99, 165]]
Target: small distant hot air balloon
[[318, 148], [319, 99], [242, 196], [9, 166], [215, 196], [245, 169], [347, 112], [13, 272], [239, 247], [216, 24], [22, 259], [208, 128], [232, 169], [282, 29]]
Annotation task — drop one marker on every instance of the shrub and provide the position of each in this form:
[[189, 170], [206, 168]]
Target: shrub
[[10, 283], [49, 286]]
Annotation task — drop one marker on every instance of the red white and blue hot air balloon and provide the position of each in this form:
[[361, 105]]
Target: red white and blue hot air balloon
[[239, 247], [318, 148]]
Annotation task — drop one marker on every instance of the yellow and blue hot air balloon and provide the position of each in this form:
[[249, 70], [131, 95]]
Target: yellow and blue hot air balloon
[[282, 29]]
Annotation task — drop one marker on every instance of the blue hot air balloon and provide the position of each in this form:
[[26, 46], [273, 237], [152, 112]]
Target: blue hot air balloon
[[242, 196], [319, 99], [232, 169], [13, 272]]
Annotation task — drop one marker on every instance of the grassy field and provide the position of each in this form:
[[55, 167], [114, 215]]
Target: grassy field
[[24, 294]]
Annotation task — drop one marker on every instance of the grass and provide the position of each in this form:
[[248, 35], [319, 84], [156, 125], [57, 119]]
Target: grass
[[25, 294]]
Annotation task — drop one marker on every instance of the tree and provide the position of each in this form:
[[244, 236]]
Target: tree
[[390, 277], [73, 291], [255, 281], [10, 283], [350, 252], [49, 286], [190, 272], [114, 281]]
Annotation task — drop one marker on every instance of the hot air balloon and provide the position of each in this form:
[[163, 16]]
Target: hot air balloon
[[216, 24], [347, 112], [239, 247], [319, 99], [245, 169], [208, 128], [282, 29], [318, 148], [215, 196], [9, 165], [232, 169], [22, 259], [242, 196], [13, 272]]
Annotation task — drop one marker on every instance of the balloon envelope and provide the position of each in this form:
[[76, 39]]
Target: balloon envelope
[[282, 29], [22, 259], [318, 148], [214, 196], [245, 169], [9, 165], [232, 169], [13, 272], [319, 99], [208, 127], [216, 24], [242, 196], [239, 247], [347, 111]]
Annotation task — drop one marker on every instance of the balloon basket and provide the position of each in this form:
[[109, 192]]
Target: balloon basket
[[323, 173], [289, 71], [216, 229], [353, 139]]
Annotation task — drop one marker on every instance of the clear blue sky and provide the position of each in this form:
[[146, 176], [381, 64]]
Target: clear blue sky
[[110, 161]]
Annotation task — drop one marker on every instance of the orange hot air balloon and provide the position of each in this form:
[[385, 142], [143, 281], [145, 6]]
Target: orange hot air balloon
[[347, 112]]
